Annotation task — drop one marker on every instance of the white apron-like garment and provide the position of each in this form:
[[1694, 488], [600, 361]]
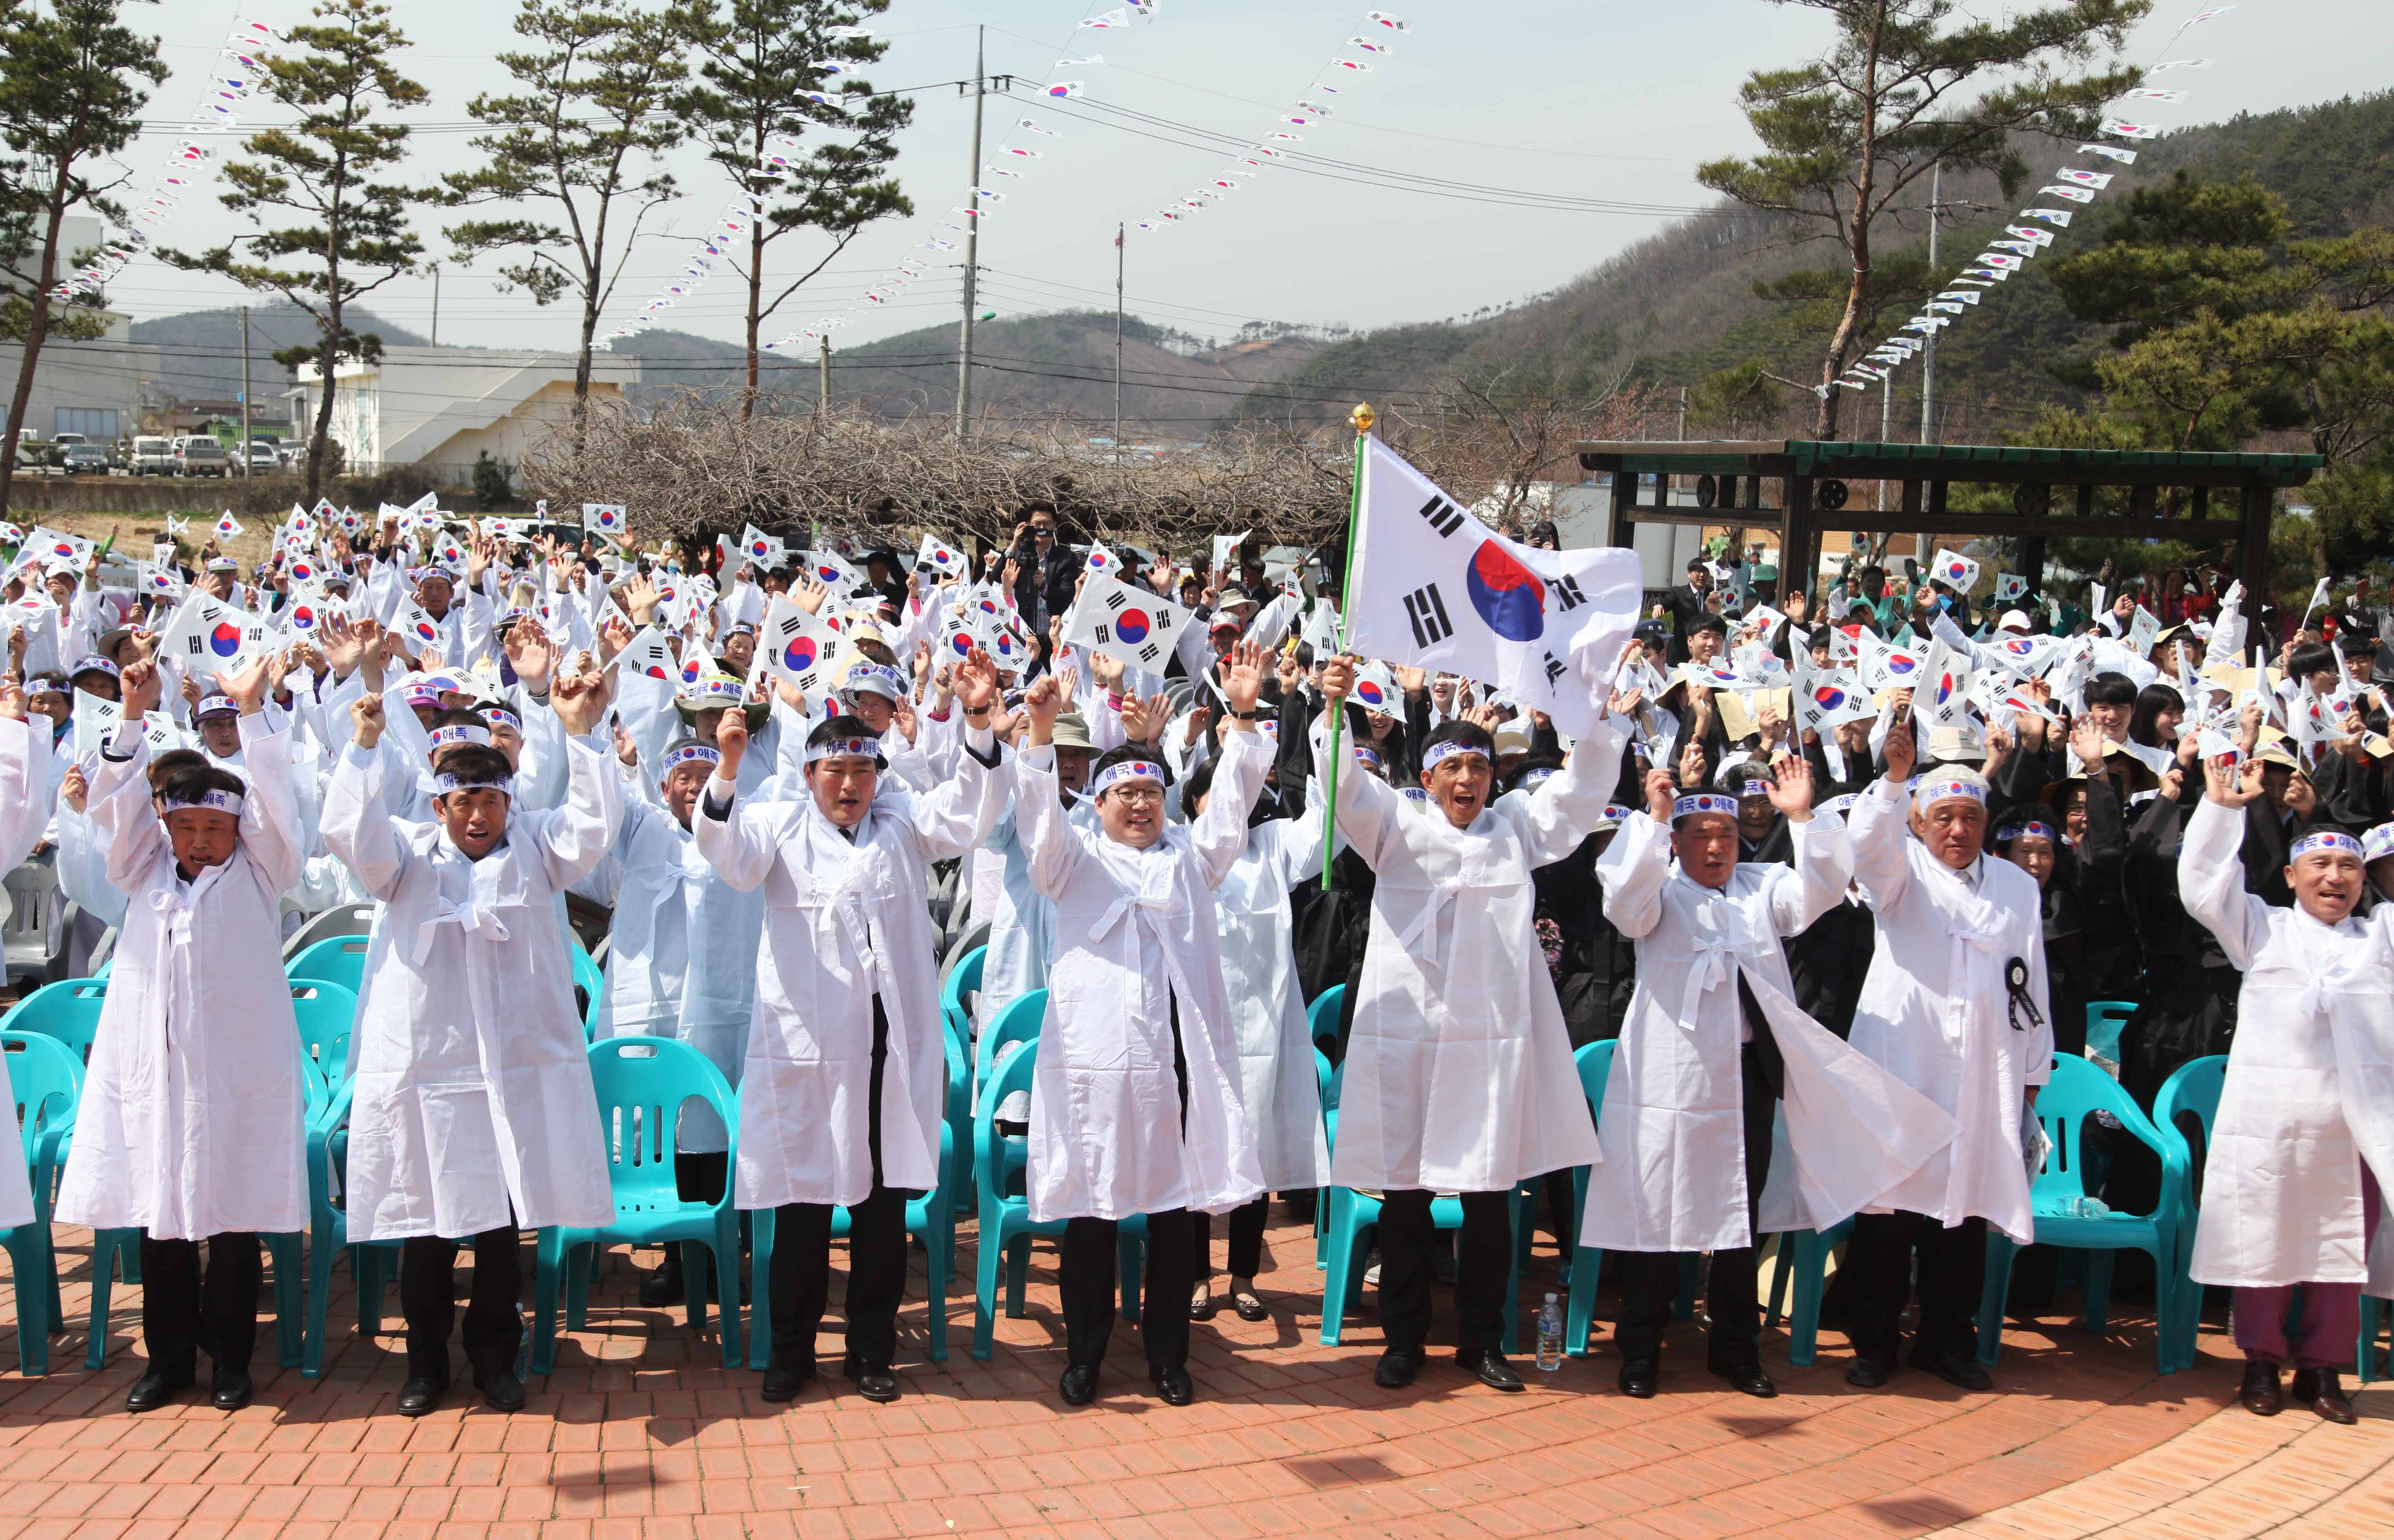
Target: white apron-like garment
[[681, 958], [25, 804], [193, 1117], [1136, 940], [1936, 1010], [1276, 1076], [1673, 1125], [843, 922], [1458, 1076], [473, 1089], [2310, 1092], [1022, 919]]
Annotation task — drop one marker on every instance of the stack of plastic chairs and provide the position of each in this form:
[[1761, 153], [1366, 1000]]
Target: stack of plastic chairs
[[325, 1013], [642, 1083], [591, 986], [2187, 1103], [44, 1080], [335, 960], [2065, 1106], [1321, 1018]]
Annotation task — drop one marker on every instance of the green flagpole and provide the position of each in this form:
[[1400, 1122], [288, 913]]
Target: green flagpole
[[1363, 417]]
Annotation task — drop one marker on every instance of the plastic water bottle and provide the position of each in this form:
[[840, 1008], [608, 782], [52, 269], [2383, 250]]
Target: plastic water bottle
[[2084, 1207], [1551, 1335]]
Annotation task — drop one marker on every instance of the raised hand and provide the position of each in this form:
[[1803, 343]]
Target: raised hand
[[1901, 752], [809, 594], [73, 790], [531, 654], [1042, 702], [732, 741], [2086, 741], [977, 682], [1337, 680], [1791, 789], [247, 686], [903, 714], [1660, 792], [365, 720]]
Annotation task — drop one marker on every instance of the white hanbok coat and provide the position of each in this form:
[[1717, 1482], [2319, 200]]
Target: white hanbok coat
[[682, 960], [843, 923], [1458, 1075], [1935, 1010], [473, 1079], [25, 808], [1276, 1075], [2310, 1093], [1673, 1131], [192, 1121], [1136, 936]]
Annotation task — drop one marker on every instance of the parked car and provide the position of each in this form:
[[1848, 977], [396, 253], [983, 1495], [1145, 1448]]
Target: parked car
[[263, 457], [201, 454], [87, 460], [154, 456]]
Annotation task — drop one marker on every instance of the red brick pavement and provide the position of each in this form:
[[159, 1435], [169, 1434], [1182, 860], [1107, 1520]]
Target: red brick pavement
[[641, 1435]]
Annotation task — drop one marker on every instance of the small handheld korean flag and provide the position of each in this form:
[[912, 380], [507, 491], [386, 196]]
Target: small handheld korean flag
[[95, 717], [1944, 693], [939, 556], [1893, 667], [1103, 561], [56, 550], [1375, 689], [649, 655], [228, 526], [1124, 622], [209, 637], [2143, 631], [1436, 588], [2009, 587], [608, 519], [832, 570], [414, 628], [1955, 571], [1226, 547], [763, 549], [793, 645], [305, 612], [38, 618]]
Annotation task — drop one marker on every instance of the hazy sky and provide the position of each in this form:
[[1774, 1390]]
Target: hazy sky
[[1608, 101]]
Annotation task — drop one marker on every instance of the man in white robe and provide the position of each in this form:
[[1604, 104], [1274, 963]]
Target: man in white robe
[[2302, 1148], [1458, 1069], [1712, 1045], [1135, 1103], [843, 1093], [474, 1112], [1955, 1006]]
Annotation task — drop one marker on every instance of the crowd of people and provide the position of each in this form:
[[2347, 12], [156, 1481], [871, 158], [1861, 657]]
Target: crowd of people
[[1839, 945]]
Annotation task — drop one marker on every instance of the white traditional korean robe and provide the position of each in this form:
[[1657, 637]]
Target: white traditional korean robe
[[25, 805], [1458, 1075], [2310, 1093], [473, 1080], [1936, 1012], [681, 961], [192, 1120], [1673, 1177], [844, 921], [1276, 1077], [1137, 937]]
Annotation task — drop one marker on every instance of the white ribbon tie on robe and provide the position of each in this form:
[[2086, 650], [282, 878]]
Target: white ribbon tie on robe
[[469, 917]]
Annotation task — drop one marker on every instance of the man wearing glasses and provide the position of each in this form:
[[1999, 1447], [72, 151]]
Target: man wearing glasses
[[1045, 571]]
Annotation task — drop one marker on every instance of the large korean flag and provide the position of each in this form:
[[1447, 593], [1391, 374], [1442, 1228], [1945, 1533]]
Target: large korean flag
[[209, 638], [1436, 588]]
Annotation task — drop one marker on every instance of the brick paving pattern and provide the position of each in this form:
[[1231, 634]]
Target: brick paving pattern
[[641, 1435]]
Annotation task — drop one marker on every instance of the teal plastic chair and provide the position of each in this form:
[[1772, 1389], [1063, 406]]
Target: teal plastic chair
[[589, 988], [1803, 1258], [371, 1264], [2185, 1108], [325, 1013], [68, 1013], [1321, 1016], [335, 960], [642, 1083], [2067, 1104], [1007, 1228], [2104, 1020], [963, 980], [1595, 1063], [930, 1219], [44, 1080], [1018, 1022]]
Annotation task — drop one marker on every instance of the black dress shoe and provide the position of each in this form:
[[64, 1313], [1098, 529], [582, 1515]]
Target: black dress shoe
[[2323, 1390], [1396, 1369], [1639, 1378], [1748, 1378], [1079, 1386], [157, 1388], [1201, 1310], [665, 1285], [1494, 1372], [502, 1391], [2261, 1393], [784, 1384], [1249, 1305], [230, 1388], [1174, 1386], [876, 1385], [418, 1397], [1963, 1374], [1867, 1373]]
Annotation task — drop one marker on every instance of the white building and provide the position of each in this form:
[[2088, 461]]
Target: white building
[[92, 388], [440, 407]]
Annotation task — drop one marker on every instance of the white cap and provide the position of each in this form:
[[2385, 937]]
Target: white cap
[[2013, 618]]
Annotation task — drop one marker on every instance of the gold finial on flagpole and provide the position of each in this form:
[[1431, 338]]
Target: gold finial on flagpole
[[1364, 417]]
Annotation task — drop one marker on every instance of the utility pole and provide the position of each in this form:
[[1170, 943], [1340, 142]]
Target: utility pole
[[972, 240], [823, 370], [244, 393], [435, 304], [1118, 315]]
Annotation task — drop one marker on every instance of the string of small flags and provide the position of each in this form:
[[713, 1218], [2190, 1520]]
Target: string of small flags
[[1321, 100], [2076, 186], [239, 69]]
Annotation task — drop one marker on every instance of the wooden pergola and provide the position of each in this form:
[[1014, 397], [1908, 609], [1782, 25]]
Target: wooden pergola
[[2103, 494]]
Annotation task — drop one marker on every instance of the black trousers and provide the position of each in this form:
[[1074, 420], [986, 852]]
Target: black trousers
[[1649, 1280], [1952, 1263], [1246, 1241], [428, 1298], [801, 1280], [185, 1307], [1483, 1268]]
